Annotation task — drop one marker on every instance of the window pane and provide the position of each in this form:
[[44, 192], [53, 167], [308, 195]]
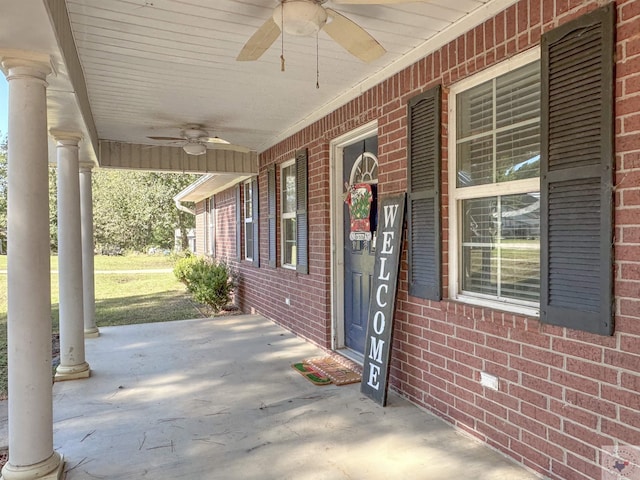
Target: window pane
[[501, 247], [518, 154], [520, 242], [479, 258], [520, 274], [289, 241], [518, 95], [248, 204], [479, 270], [520, 217], [509, 149], [474, 110], [248, 241], [479, 220], [475, 162], [289, 189]]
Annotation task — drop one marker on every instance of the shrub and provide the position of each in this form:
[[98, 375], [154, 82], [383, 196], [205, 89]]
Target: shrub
[[183, 267], [211, 283]]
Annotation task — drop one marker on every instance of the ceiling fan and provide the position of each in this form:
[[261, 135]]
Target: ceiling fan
[[308, 17], [194, 140]]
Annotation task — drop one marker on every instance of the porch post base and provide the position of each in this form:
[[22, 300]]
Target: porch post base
[[73, 372], [91, 332], [51, 469]]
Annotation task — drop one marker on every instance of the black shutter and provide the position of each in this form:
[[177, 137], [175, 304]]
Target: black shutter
[[271, 207], [576, 174], [424, 195], [255, 202], [302, 217], [238, 223]]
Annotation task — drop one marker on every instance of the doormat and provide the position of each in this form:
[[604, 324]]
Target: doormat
[[336, 371], [311, 374]]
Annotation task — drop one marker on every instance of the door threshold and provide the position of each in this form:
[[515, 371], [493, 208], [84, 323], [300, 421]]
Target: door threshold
[[352, 355]]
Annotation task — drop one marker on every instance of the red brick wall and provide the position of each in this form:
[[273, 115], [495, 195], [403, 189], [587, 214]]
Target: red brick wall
[[226, 227], [266, 289], [564, 394]]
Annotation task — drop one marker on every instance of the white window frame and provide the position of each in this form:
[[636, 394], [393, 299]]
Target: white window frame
[[211, 226], [248, 220], [479, 191], [285, 215]]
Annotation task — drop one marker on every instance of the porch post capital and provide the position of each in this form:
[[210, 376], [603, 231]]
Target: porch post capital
[[20, 64], [65, 138]]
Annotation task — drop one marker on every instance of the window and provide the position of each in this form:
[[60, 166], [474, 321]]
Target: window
[[495, 186], [248, 221], [531, 157], [294, 243], [271, 215], [211, 226], [247, 215], [288, 226]]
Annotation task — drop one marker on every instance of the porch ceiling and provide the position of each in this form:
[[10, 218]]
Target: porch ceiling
[[149, 67]]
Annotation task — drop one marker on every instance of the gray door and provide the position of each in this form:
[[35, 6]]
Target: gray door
[[360, 166]]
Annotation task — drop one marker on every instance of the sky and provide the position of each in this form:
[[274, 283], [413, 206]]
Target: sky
[[4, 106]]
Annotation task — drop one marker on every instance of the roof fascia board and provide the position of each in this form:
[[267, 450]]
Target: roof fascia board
[[59, 16]]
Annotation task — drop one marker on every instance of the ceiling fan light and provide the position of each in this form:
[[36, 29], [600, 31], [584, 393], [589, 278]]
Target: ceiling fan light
[[301, 17], [194, 149]]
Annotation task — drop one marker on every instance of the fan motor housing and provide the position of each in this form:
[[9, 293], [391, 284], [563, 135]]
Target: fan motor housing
[[300, 17], [193, 132]]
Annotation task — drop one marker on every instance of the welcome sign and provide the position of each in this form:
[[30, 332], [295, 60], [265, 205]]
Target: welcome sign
[[377, 352]]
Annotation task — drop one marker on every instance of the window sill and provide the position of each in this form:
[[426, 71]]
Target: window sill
[[496, 305]]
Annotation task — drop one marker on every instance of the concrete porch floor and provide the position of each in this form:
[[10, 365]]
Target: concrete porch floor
[[217, 399]]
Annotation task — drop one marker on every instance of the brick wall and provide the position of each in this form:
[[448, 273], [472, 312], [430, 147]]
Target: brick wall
[[225, 227], [265, 289], [563, 394]]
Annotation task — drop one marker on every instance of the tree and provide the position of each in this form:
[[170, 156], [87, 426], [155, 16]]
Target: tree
[[53, 209], [135, 210], [3, 191], [132, 210]]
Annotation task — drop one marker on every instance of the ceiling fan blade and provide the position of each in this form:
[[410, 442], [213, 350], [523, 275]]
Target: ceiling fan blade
[[216, 140], [259, 41], [228, 146], [167, 138], [353, 37], [376, 2]]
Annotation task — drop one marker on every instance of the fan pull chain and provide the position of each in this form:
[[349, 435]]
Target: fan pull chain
[[317, 62], [282, 39]]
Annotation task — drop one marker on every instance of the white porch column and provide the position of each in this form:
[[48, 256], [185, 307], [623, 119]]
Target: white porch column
[[72, 359], [86, 214], [31, 454]]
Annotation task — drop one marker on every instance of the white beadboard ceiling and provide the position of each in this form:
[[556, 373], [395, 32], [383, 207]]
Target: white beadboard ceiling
[[152, 66]]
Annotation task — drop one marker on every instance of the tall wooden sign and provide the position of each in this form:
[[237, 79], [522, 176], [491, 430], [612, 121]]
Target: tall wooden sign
[[377, 352]]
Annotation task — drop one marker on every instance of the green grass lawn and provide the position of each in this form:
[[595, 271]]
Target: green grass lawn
[[121, 298], [124, 262]]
